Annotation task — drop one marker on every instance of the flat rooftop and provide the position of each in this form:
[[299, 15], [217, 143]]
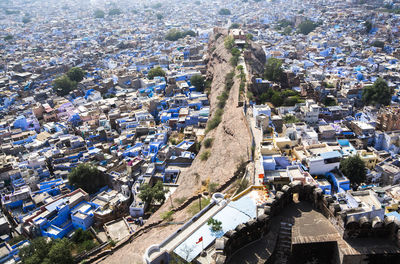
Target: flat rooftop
[[233, 214], [117, 230]]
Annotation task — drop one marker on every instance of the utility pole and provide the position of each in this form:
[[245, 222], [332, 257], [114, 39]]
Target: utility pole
[[200, 201]]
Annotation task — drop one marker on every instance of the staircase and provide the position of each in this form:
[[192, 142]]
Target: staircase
[[284, 244]]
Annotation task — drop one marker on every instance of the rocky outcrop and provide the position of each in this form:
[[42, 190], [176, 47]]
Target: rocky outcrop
[[255, 59], [231, 147]]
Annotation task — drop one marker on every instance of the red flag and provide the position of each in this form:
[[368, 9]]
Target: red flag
[[200, 240]]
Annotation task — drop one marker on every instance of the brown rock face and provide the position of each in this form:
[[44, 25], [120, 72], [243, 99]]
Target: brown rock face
[[231, 145]]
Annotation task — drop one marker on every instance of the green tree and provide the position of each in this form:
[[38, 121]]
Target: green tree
[[277, 100], [63, 85], [205, 155], [8, 37], [368, 26], [173, 34], [329, 101], [26, 19], [11, 12], [87, 177], [288, 119], [306, 27], [81, 236], [154, 72], [36, 252], [291, 100], [76, 74], [378, 44], [114, 12], [284, 23], [234, 25], [98, 13], [229, 42], [249, 36], [198, 81], [354, 168], [378, 93], [214, 224], [149, 194], [287, 31], [208, 142], [273, 70], [157, 6], [224, 12], [60, 252], [159, 16]]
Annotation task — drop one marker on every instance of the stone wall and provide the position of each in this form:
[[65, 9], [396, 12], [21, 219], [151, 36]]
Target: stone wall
[[254, 229]]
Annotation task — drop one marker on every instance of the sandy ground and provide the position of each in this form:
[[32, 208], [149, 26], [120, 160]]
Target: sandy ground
[[231, 145]]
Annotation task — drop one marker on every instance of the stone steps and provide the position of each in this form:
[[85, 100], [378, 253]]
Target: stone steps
[[284, 245]]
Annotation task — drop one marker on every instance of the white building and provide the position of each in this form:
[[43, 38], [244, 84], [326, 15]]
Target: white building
[[310, 112], [261, 109], [324, 162], [301, 133]]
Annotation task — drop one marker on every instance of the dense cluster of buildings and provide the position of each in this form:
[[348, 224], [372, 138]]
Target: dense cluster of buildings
[[336, 61], [117, 118], [139, 130]]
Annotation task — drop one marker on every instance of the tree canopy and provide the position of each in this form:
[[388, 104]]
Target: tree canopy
[[26, 19], [175, 34], [224, 12], [214, 224], [284, 23], [198, 81], [234, 25], [368, 26], [98, 13], [306, 27], [63, 85], [60, 252], [154, 72], [279, 98], [8, 37], [378, 44], [273, 70], [76, 74], [229, 42], [114, 12], [50, 252], [378, 93], [276, 99], [329, 101], [354, 169], [157, 6], [149, 194], [87, 177]]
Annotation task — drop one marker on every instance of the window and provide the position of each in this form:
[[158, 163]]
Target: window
[[332, 160]]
